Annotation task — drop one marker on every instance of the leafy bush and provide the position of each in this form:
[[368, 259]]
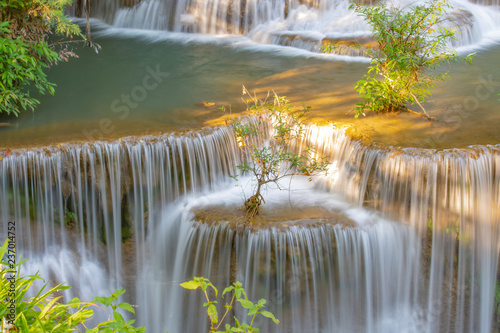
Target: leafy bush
[[273, 158], [45, 312], [411, 41], [117, 323], [240, 296], [25, 51], [41, 313]]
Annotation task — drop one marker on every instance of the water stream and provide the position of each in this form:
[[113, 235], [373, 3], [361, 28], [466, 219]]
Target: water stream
[[152, 82], [407, 240], [301, 24]]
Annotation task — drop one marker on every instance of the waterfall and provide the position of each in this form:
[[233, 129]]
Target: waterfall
[[296, 23], [453, 195], [407, 239], [75, 206], [315, 279]]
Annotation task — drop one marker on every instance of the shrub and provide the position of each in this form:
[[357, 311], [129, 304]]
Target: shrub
[[239, 295], [46, 312], [411, 42], [117, 323], [43, 312], [271, 158], [25, 50]]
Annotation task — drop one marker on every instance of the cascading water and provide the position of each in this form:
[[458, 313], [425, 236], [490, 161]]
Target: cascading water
[[404, 240], [75, 205], [316, 279], [455, 194], [301, 24]]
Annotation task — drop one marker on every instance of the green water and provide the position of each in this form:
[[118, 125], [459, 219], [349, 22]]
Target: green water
[[166, 82], [156, 82]]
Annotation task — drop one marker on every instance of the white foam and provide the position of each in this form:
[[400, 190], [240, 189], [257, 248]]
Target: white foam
[[289, 192], [263, 22]]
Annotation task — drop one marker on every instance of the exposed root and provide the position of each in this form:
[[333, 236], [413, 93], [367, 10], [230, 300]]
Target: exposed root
[[252, 207]]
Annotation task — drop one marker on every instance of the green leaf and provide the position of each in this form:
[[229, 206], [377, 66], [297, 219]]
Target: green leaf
[[246, 303], [119, 292], [103, 300], [212, 314], [118, 317], [268, 314], [126, 306], [253, 310], [213, 287], [190, 285], [228, 289]]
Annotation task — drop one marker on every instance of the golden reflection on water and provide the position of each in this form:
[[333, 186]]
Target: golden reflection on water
[[330, 92], [466, 109], [82, 131]]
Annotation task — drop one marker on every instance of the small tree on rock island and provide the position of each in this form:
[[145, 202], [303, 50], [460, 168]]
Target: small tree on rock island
[[270, 142], [410, 42]]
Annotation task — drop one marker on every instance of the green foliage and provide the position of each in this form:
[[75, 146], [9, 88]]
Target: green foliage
[[351, 48], [460, 235], [45, 312], [240, 296], [41, 313], [429, 227], [497, 302], [69, 217], [271, 158], [25, 52], [117, 323], [410, 43]]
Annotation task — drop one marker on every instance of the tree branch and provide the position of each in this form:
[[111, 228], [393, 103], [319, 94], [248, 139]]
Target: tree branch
[[425, 112]]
